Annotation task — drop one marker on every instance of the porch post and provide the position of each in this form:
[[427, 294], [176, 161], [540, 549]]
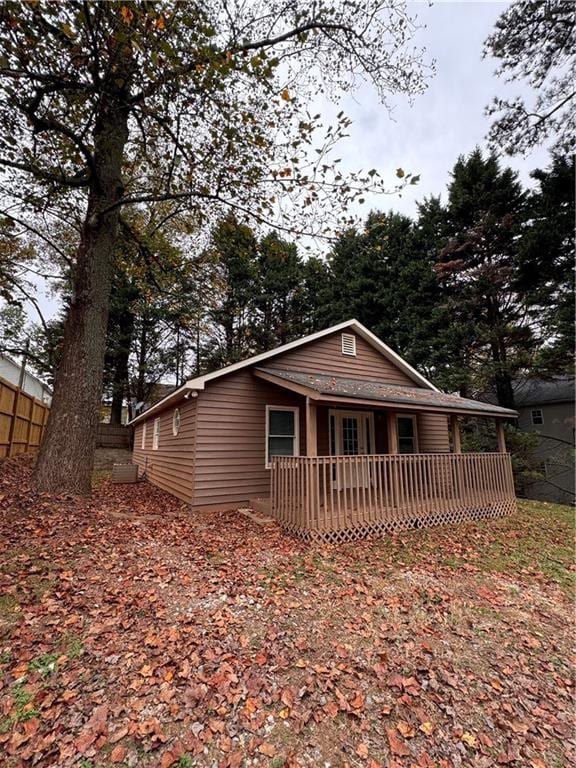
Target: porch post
[[311, 429], [501, 436], [455, 427], [392, 432]]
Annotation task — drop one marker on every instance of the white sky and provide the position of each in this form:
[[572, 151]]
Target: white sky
[[448, 120]]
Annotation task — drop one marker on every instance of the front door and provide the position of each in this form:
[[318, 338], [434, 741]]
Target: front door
[[351, 434]]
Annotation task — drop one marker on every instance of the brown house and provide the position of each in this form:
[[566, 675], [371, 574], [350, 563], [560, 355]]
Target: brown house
[[335, 433]]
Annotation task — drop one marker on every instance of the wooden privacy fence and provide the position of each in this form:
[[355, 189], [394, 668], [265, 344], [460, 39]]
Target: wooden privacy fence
[[113, 436], [22, 420], [341, 498]]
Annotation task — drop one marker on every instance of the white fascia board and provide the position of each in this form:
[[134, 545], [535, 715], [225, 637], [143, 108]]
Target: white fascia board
[[178, 394]]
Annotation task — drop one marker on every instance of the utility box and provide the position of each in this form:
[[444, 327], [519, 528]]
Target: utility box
[[125, 473]]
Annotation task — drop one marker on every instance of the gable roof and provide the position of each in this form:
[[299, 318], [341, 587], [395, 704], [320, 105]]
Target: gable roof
[[199, 382]]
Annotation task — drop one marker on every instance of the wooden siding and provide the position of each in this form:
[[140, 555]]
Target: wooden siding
[[325, 356], [433, 434], [171, 467], [230, 464]]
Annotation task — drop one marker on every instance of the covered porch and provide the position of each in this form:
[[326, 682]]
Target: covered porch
[[375, 458]]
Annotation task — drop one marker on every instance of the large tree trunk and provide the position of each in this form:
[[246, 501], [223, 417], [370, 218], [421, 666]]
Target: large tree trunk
[[66, 456]]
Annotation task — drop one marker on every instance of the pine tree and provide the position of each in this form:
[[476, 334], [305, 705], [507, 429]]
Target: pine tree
[[279, 293], [546, 274], [234, 253], [478, 268]]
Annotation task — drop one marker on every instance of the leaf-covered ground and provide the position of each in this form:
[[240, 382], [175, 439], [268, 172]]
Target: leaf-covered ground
[[135, 633]]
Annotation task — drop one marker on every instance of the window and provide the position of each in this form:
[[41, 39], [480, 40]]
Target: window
[[176, 422], [537, 416], [156, 435], [143, 444], [348, 344], [407, 434], [281, 432]]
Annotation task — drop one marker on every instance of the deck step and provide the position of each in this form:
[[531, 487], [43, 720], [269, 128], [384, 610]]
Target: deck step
[[260, 505], [258, 511]]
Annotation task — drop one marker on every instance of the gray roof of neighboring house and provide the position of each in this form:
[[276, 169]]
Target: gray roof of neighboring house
[[559, 389], [362, 389]]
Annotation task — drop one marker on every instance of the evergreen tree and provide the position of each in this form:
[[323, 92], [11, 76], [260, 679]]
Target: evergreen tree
[[378, 277], [234, 253], [478, 268], [547, 268], [315, 311], [279, 293]]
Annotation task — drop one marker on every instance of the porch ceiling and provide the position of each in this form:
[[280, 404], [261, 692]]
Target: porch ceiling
[[336, 389]]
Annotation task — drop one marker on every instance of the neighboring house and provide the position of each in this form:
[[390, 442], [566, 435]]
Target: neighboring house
[[335, 432], [546, 407], [12, 372]]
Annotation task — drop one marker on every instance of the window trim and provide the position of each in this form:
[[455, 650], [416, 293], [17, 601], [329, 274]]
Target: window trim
[[176, 416], [536, 411], [414, 419], [348, 338], [143, 438], [156, 434], [296, 411]]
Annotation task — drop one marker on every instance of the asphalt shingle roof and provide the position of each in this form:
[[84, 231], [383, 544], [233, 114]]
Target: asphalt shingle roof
[[559, 389], [362, 389]]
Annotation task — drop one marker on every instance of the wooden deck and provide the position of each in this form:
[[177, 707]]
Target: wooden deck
[[341, 498]]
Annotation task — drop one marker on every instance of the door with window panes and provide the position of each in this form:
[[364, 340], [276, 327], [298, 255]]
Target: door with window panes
[[351, 434]]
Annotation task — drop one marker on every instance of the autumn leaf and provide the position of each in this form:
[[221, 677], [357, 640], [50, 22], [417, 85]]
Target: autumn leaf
[[285, 95], [168, 759], [405, 729], [469, 740], [397, 746], [358, 701], [267, 749], [118, 754], [126, 14], [362, 751], [426, 728]]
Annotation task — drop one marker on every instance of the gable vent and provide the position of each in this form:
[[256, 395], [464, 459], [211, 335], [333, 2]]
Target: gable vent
[[348, 344]]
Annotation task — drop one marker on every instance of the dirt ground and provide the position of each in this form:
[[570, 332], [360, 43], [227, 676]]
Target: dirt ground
[[135, 633]]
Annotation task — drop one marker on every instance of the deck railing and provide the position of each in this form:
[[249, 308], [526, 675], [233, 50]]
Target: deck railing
[[339, 498]]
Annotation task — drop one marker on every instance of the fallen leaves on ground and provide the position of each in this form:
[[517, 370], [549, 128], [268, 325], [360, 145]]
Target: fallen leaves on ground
[[134, 632]]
